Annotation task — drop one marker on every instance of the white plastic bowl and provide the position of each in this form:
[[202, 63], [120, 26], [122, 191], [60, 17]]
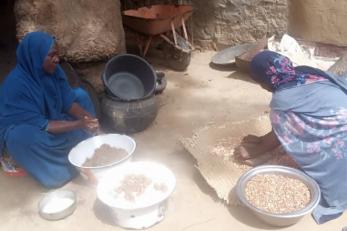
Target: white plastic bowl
[[85, 150], [149, 208]]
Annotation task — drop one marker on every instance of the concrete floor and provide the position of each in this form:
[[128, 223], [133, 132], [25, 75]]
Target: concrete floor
[[192, 100]]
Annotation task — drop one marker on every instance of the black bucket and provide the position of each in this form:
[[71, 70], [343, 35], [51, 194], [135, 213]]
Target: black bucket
[[129, 77]]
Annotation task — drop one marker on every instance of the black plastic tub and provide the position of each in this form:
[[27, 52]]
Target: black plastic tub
[[129, 77]]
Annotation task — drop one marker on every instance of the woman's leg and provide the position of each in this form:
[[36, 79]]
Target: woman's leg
[[42, 155], [83, 99]]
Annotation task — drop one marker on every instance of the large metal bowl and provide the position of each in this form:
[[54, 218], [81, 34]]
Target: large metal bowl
[[279, 219]]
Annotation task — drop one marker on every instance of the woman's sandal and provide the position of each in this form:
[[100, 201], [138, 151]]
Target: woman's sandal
[[10, 167]]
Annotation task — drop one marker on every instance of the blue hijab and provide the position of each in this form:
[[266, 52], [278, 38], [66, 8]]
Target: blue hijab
[[29, 95]]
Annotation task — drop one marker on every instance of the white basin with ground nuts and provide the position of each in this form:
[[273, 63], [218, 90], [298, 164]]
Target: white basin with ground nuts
[[145, 209], [86, 149]]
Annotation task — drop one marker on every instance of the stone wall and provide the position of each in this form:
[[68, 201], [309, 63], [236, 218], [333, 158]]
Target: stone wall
[[229, 22]]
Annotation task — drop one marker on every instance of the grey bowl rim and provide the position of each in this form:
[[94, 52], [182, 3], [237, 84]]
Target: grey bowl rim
[[270, 168], [61, 214]]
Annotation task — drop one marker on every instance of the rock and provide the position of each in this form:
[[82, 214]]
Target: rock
[[91, 72], [86, 30]]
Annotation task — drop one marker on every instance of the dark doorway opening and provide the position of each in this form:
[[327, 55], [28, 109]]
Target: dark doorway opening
[[8, 39]]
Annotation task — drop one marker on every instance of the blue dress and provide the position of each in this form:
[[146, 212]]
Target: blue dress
[[29, 99]]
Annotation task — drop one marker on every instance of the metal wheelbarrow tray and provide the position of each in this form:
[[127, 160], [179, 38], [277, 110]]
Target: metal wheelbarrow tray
[[157, 19]]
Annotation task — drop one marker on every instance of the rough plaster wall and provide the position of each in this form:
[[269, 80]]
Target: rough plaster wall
[[86, 30], [230, 22], [319, 20]]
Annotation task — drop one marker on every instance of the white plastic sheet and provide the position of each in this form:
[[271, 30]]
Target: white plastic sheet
[[300, 55]]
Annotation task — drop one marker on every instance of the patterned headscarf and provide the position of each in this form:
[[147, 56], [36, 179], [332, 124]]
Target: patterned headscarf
[[277, 71]]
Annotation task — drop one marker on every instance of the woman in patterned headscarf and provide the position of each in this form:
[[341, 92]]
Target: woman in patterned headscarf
[[309, 119]]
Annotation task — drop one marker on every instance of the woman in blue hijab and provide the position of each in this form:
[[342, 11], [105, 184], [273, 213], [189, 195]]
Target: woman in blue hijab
[[309, 119], [41, 117]]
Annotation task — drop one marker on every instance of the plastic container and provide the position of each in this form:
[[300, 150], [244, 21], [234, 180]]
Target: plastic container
[[129, 77], [149, 208]]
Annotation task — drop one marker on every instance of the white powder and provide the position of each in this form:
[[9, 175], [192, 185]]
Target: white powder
[[57, 204]]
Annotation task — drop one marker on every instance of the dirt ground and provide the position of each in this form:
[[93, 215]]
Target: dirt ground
[[193, 98]]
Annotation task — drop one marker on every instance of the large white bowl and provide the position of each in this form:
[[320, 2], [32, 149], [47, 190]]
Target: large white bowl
[[85, 150], [144, 212]]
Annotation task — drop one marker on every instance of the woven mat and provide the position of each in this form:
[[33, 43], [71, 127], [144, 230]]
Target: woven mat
[[213, 147]]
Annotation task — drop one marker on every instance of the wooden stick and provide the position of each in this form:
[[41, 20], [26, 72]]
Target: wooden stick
[[184, 29], [174, 32], [139, 43], [167, 39], [147, 45]]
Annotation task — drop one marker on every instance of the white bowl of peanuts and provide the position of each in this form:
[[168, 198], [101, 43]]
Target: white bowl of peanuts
[[278, 195], [137, 193]]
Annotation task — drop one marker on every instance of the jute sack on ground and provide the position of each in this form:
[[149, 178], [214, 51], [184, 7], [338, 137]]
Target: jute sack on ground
[[213, 148]]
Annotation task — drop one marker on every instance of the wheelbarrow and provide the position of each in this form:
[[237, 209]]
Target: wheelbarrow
[[157, 20]]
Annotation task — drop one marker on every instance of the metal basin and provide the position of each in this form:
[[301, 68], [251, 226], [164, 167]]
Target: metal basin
[[156, 19], [228, 55], [279, 219]]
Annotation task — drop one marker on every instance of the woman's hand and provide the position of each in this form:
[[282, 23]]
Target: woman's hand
[[87, 121], [253, 147], [90, 123], [251, 139], [248, 149]]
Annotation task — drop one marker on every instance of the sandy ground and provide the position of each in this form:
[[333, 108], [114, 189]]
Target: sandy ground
[[192, 99]]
